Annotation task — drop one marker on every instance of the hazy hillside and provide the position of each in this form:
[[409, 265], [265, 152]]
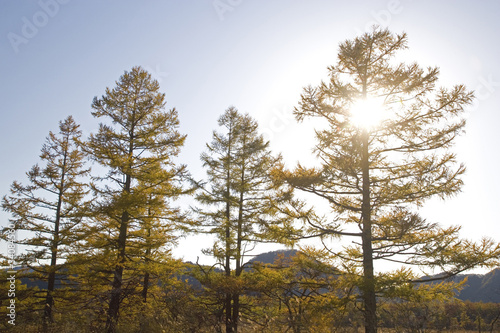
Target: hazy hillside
[[479, 288], [270, 257]]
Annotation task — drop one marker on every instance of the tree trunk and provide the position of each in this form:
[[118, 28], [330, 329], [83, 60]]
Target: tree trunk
[[145, 288], [49, 300], [368, 290], [239, 240], [145, 285], [228, 302], [116, 291]]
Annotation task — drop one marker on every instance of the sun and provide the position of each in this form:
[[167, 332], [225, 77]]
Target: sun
[[367, 113]]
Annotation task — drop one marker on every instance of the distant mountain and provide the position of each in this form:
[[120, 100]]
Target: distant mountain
[[270, 257], [481, 288], [478, 288]]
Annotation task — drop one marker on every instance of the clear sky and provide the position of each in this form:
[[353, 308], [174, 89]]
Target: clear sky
[[257, 55]]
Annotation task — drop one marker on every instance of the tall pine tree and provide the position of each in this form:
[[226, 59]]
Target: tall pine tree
[[50, 207], [384, 150], [136, 145], [241, 201]]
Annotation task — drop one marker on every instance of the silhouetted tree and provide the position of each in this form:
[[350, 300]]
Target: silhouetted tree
[[373, 174]]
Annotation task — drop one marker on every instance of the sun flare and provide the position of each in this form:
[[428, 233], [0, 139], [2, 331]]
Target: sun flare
[[367, 113]]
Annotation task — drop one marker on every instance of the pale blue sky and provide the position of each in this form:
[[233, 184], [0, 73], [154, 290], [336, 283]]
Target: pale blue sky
[[253, 54]]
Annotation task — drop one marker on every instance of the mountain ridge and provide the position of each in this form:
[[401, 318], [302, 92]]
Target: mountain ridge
[[478, 288]]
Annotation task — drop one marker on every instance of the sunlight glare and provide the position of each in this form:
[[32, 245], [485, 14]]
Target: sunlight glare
[[367, 113]]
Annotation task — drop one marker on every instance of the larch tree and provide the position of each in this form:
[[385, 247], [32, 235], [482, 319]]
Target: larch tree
[[383, 150], [137, 146], [241, 201], [49, 207]]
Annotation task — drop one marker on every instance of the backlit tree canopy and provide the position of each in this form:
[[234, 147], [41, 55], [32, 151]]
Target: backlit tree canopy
[[384, 149]]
